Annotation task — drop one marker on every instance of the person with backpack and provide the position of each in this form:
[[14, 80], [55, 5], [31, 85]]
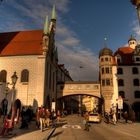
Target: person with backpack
[[42, 117]]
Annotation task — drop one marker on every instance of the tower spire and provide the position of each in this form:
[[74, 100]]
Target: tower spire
[[105, 42], [53, 16], [46, 30]]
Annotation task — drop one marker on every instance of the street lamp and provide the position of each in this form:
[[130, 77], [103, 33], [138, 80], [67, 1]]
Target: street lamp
[[14, 80], [136, 3]]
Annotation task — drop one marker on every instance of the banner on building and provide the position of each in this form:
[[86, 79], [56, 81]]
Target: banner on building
[[53, 106]]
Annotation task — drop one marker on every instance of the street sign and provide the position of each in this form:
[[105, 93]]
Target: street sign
[[120, 102], [53, 106]]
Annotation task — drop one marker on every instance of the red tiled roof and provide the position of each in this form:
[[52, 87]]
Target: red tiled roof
[[21, 43], [125, 50], [126, 54]]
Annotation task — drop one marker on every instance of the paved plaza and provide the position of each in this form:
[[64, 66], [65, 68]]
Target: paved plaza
[[72, 128]]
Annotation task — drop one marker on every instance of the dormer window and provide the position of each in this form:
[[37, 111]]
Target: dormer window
[[118, 58]]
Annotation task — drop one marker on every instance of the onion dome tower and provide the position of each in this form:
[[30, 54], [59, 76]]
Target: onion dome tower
[[108, 80]]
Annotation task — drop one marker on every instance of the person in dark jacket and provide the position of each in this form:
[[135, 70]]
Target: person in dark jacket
[[125, 115], [24, 118]]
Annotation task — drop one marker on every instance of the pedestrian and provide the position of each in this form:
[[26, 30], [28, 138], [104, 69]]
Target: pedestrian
[[7, 126], [24, 118], [125, 115], [4, 107], [53, 117], [42, 116], [114, 118], [133, 117], [37, 117], [86, 121], [113, 115], [58, 116], [107, 117], [47, 120]]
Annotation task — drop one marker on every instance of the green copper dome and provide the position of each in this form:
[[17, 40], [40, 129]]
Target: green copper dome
[[105, 51]]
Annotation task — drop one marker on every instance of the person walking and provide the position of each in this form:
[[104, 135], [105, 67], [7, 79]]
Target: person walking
[[86, 119], [42, 116], [53, 117], [24, 118], [37, 117], [47, 120], [114, 119], [125, 114], [58, 115], [106, 117], [133, 117]]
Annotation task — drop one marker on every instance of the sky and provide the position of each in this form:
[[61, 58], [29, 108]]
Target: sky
[[82, 26]]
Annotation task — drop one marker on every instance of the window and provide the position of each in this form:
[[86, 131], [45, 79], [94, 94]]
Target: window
[[136, 82], [103, 82], [3, 75], [122, 94], [119, 71], [102, 70], [106, 59], [108, 82], [137, 94], [118, 60], [25, 75], [135, 70], [137, 58], [107, 70], [120, 82], [111, 70], [102, 59], [61, 87]]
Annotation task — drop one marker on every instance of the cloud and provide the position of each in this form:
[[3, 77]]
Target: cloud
[[30, 14], [136, 29]]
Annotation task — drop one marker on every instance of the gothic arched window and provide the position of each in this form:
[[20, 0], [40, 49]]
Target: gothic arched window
[[25, 75], [3, 76]]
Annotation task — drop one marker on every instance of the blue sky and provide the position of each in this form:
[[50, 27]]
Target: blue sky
[[82, 26]]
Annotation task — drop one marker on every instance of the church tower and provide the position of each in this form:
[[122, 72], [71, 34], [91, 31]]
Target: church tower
[[48, 41], [45, 42]]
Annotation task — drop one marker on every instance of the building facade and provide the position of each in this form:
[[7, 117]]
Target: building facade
[[120, 76], [33, 55], [108, 78]]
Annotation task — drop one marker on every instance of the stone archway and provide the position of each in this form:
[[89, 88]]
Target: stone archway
[[136, 108]]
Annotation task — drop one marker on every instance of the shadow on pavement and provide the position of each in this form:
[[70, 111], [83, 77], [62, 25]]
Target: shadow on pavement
[[57, 133]]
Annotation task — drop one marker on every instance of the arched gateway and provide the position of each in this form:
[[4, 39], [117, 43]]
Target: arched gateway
[[78, 87]]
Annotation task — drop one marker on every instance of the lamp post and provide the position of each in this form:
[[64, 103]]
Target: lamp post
[[14, 80], [136, 3]]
